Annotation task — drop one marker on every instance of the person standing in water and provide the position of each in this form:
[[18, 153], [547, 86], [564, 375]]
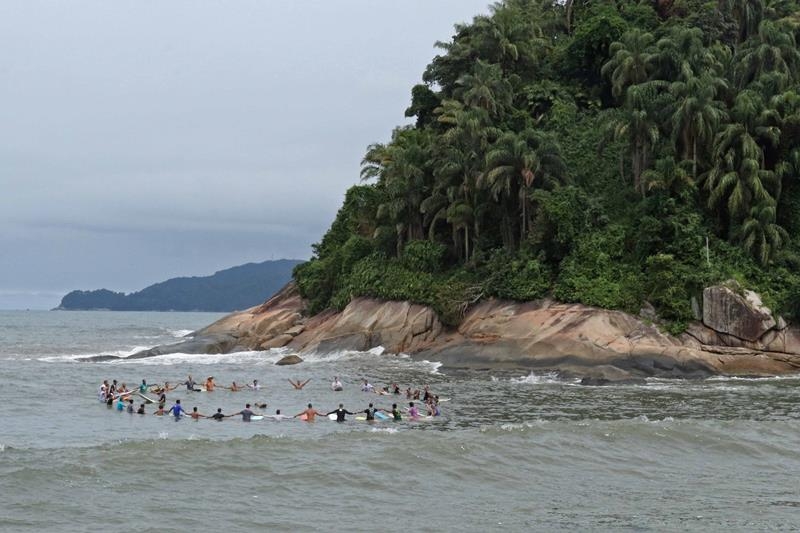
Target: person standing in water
[[190, 383], [340, 412], [246, 413], [370, 412], [144, 386], [177, 410], [336, 385], [218, 416], [195, 415], [310, 413], [210, 384], [413, 412]]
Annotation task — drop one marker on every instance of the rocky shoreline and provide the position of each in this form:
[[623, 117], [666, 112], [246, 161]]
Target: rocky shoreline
[[737, 336]]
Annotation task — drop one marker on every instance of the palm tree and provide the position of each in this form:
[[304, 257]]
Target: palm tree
[[772, 50], [516, 162], [485, 88], [738, 180], [698, 115], [667, 175], [748, 14], [632, 61], [760, 235], [636, 124], [681, 55]]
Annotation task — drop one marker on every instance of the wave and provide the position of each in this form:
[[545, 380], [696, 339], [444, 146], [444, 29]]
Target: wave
[[532, 379]]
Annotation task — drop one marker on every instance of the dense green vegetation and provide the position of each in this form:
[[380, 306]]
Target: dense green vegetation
[[589, 151], [231, 289]]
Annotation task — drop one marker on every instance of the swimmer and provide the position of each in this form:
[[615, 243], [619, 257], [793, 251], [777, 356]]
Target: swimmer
[[130, 406], [310, 413], [255, 385], [190, 383], [370, 412], [210, 384], [279, 416], [298, 385], [234, 387], [395, 412], [218, 415], [177, 410], [195, 415], [246, 413], [413, 412], [340, 412], [336, 385], [144, 386], [160, 411], [367, 387], [140, 410]]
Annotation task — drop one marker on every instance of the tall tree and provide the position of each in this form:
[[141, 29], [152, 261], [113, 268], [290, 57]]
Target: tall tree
[[697, 116], [632, 61]]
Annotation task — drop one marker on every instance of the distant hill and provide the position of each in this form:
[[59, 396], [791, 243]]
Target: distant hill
[[232, 289]]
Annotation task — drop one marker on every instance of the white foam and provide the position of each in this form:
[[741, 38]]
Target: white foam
[[179, 333], [384, 430], [533, 379]]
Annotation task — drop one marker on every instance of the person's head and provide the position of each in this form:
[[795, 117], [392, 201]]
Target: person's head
[[144, 382], [341, 406], [255, 382], [309, 406], [370, 406], [411, 404], [178, 402], [247, 406], [219, 409], [194, 409], [130, 401], [394, 406], [277, 411]]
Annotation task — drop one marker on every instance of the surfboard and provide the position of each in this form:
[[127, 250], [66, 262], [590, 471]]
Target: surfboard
[[332, 416], [381, 416], [444, 400], [257, 417], [145, 398]]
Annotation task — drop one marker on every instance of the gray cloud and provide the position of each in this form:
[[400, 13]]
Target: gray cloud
[[146, 140]]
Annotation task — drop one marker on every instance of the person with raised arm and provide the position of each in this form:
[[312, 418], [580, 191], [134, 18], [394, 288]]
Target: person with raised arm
[[298, 385], [310, 413], [340, 413]]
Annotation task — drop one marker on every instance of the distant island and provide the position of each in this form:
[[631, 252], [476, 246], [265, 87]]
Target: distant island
[[235, 288]]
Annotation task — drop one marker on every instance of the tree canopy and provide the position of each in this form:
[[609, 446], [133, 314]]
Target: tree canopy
[[587, 151]]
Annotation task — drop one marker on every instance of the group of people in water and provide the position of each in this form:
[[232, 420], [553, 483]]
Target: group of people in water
[[119, 396]]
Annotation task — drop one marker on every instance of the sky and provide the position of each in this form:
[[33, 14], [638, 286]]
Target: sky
[[144, 140]]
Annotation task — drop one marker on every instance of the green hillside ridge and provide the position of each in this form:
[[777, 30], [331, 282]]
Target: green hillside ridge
[[240, 287], [587, 152]]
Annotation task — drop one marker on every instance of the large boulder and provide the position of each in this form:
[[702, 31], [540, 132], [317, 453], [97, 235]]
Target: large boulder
[[737, 313], [290, 360]]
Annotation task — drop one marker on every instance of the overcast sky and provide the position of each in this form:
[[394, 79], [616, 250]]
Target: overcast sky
[[146, 140]]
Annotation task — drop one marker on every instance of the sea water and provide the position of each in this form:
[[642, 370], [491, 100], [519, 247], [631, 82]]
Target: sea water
[[512, 450]]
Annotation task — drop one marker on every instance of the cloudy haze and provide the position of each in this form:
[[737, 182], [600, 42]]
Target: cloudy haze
[[147, 140]]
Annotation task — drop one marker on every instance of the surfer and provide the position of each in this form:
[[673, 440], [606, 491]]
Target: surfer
[[340, 412], [246, 413], [144, 386], [395, 388], [140, 410], [130, 406], [370, 412], [234, 387], [190, 383], [413, 412], [218, 415], [298, 384], [196, 415], [177, 410], [279, 416], [159, 411], [395, 412], [255, 385], [210, 384], [309, 413], [336, 385], [367, 387]]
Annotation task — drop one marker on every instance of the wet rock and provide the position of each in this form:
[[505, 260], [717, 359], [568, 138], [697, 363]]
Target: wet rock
[[290, 360]]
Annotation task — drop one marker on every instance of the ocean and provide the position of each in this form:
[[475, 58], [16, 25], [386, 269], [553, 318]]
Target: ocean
[[512, 451]]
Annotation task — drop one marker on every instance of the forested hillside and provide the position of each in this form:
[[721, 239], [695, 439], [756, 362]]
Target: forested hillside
[[604, 152], [231, 289]]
